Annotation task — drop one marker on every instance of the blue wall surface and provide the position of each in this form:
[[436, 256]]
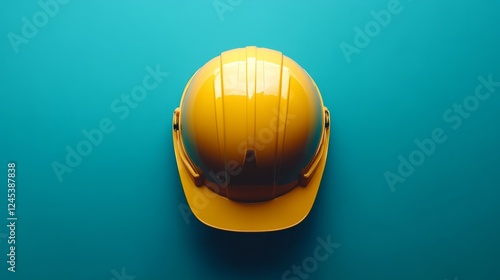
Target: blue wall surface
[[411, 188]]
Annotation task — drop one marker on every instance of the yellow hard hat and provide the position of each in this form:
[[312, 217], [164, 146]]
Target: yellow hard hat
[[251, 139]]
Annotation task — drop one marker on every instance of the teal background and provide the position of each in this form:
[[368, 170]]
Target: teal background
[[120, 207]]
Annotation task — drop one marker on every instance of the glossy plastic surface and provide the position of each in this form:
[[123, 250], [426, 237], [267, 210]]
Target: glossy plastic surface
[[250, 129]]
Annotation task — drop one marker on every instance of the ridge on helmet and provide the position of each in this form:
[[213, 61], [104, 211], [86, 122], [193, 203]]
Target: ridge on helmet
[[251, 128]]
